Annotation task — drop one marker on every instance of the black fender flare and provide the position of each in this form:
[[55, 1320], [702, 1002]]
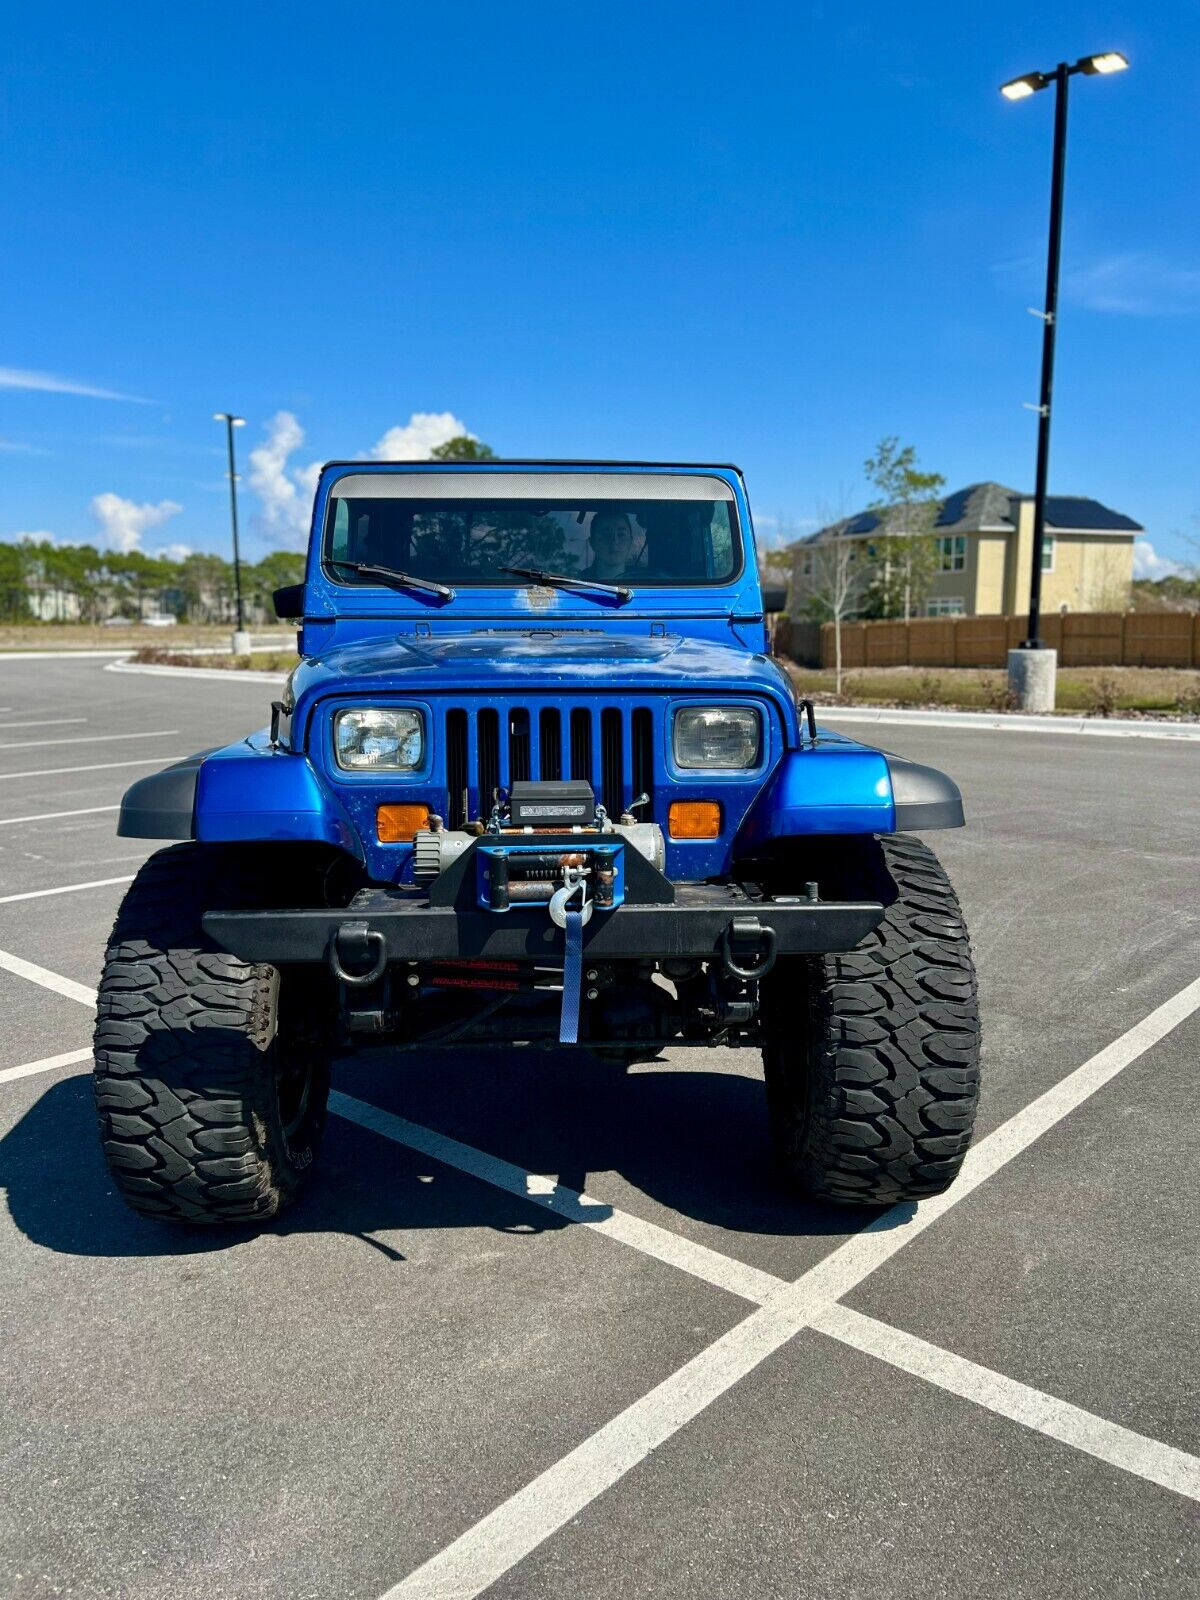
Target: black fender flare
[[924, 798], [162, 806]]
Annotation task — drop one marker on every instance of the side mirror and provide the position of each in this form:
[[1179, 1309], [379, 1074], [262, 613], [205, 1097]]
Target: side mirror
[[289, 602]]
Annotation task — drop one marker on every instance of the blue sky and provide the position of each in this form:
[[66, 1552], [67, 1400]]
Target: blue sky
[[769, 235]]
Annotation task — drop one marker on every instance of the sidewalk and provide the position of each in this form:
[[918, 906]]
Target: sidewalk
[[1013, 722]]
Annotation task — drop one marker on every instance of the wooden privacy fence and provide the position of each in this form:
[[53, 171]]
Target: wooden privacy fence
[[800, 640], [1082, 639]]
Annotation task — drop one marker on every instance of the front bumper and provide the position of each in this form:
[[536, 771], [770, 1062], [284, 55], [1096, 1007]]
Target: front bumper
[[395, 925]]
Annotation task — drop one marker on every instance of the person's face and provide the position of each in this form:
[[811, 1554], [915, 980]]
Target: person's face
[[611, 540]]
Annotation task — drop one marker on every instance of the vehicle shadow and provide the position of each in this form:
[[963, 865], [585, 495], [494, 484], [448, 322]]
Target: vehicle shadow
[[692, 1142]]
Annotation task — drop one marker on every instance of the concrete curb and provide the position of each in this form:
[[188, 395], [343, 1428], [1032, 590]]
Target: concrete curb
[[213, 674], [64, 655], [1007, 722]]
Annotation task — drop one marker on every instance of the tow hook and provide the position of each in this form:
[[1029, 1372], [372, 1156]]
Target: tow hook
[[355, 943], [745, 939], [574, 883]]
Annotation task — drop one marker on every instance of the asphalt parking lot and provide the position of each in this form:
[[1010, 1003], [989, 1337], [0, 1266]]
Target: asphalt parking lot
[[451, 1370]]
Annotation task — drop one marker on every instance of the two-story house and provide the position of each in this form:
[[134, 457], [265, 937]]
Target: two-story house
[[984, 551]]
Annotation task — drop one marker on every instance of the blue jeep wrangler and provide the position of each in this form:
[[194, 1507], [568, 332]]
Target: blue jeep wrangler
[[535, 781]]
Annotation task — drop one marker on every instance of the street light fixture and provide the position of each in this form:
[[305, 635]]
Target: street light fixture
[[1107, 61], [240, 642], [1021, 88]]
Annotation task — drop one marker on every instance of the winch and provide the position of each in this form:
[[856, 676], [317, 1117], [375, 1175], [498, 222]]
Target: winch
[[551, 846], [533, 809]]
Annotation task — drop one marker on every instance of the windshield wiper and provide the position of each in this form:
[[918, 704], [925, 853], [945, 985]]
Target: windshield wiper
[[561, 579], [396, 579]]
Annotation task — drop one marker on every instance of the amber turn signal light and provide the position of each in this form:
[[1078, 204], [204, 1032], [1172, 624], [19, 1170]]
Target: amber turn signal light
[[694, 819], [397, 824]]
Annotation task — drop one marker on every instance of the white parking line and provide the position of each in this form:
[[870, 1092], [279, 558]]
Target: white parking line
[[722, 1271], [100, 766], [65, 888], [1057, 1419], [485, 1552], [91, 738], [47, 1064], [482, 1554], [45, 722], [496, 1544], [50, 816], [1120, 1447], [1032, 1408], [47, 979]]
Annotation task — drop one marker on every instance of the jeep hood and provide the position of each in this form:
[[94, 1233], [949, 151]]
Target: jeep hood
[[540, 661]]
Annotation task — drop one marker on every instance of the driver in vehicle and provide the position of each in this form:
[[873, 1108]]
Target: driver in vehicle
[[610, 541]]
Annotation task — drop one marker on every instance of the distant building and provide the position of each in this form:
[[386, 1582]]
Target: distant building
[[50, 604], [984, 537]]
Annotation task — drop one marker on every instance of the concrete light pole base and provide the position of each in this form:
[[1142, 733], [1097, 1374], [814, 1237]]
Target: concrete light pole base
[[241, 642], [1031, 677]]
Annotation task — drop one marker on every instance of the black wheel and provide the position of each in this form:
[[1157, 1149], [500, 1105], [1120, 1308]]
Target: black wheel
[[211, 1074], [872, 1057]]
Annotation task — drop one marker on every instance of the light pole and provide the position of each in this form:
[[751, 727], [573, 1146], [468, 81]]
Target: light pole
[[1032, 679], [241, 639]]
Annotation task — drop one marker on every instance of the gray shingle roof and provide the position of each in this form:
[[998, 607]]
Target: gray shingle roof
[[991, 505]]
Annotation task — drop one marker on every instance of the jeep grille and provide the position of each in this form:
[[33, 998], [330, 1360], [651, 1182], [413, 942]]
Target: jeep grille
[[488, 747]]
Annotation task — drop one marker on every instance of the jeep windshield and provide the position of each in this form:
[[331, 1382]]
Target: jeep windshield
[[646, 530]]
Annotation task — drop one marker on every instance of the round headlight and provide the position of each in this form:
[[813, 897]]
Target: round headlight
[[376, 740], [717, 737]]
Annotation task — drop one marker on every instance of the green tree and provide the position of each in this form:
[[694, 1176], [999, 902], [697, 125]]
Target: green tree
[[206, 582], [905, 555], [274, 571], [463, 448], [14, 591]]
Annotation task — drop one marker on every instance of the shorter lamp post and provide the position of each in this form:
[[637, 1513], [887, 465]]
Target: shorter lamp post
[[1032, 668], [241, 639]]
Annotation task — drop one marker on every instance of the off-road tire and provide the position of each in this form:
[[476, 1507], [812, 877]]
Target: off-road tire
[[872, 1057], [211, 1093]]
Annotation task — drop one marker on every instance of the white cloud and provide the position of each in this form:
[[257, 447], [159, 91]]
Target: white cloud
[[285, 514], [122, 522], [172, 552], [286, 492], [52, 383], [1136, 284], [1131, 283], [40, 536], [16, 447], [1147, 563], [419, 436]]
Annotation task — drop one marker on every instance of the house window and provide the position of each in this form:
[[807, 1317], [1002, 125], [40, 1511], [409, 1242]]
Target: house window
[[951, 605], [806, 565], [952, 553], [1047, 552]]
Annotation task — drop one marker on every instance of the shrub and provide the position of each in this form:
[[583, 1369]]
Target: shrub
[[997, 692], [929, 688], [1103, 695]]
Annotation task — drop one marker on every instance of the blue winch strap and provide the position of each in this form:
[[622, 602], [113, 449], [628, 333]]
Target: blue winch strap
[[568, 1025]]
